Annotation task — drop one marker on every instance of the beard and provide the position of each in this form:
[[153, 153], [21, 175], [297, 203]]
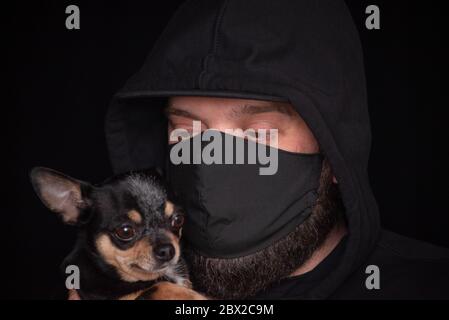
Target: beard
[[244, 277]]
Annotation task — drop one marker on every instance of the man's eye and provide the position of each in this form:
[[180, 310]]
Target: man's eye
[[125, 233], [180, 124], [259, 135], [187, 127]]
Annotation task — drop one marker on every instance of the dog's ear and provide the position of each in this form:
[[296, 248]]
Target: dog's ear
[[60, 193]]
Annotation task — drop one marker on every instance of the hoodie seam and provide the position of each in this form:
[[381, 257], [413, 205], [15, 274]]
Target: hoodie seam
[[218, 26], [215, 43]]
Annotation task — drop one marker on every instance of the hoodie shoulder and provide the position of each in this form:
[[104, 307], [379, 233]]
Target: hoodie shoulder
[[405, 269]]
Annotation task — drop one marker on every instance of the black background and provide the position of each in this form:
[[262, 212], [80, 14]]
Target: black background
[[60, 83]]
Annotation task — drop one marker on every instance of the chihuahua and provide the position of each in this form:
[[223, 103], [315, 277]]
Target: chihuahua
[[128, 234]]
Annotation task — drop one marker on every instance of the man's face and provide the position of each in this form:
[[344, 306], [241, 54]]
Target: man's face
[[221, 113], [242, 277]]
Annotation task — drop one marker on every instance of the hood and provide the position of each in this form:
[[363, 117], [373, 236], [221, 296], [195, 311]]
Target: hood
[[306, 52]]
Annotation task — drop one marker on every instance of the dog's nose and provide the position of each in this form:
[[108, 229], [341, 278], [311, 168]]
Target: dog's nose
[[164, 252]]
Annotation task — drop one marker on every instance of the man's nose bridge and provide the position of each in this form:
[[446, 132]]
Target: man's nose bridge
[[223, 125]]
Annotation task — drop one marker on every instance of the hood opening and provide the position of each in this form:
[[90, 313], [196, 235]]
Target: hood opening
[[307, 53]]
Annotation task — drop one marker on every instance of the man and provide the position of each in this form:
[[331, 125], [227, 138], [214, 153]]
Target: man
[[311, 230]]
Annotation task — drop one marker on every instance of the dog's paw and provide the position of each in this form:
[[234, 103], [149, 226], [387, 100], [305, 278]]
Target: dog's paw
[[169, 291]]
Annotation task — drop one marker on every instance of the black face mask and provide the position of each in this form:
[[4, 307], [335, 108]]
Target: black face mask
[[232, 210]]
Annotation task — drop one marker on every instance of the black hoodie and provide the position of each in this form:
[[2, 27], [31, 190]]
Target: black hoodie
[[306, 52]]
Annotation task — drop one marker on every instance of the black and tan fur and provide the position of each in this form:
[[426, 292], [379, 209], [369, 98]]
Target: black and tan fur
[[128, 239]]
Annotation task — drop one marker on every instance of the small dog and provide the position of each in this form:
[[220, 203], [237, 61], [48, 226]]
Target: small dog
[[128, 235]]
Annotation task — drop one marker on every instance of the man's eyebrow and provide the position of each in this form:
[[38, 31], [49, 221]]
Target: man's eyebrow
[[169, 110], [236, 112], [254, 109]]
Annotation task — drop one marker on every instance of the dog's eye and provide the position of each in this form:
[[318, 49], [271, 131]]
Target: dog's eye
[[177, 221], [125, 233]]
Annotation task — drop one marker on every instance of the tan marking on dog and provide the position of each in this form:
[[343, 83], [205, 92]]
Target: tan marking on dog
[[169, 208], [135, 216], [132, 296], [140, 254], [169, 291]]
